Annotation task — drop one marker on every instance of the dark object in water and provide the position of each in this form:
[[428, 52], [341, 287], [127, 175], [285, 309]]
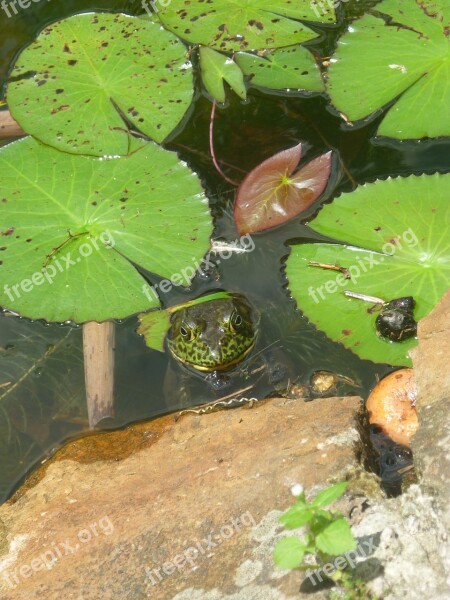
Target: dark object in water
[[395, 461], [396, 320]]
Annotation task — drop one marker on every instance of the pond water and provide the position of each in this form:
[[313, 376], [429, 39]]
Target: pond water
[[42, 401]]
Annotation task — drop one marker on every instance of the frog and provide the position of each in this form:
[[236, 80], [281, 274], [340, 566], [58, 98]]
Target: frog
[[214, 335], [212, 351]]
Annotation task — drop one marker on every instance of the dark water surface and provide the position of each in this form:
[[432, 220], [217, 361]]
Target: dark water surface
[[45, 402]]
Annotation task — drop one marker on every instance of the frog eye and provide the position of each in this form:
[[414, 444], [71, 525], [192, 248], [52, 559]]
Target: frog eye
[[186, 332], [236, 321]]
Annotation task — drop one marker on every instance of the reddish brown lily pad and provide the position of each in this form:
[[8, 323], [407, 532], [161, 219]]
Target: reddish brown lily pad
[[271, 194]]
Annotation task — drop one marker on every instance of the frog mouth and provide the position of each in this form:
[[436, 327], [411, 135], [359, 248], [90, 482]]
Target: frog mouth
[[221, 366]]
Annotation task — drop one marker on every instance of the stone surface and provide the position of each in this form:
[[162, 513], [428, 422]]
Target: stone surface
[[190, 515], [413, 553], [431, 444], [412, 548]]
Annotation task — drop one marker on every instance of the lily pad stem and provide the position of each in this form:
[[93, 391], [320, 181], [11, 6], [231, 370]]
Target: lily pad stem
[[8, 126], [211, 147], [98, 350]]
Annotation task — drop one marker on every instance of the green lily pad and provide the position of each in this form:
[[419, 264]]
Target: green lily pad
[[217, 68], [249, 25], [72, 224], [70, 86], [396, 244], [400, 51], [154, 325], [291, 68]]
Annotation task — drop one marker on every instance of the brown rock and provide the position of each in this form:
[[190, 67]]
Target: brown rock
[[431, 444], [431, 357], [195, 509]]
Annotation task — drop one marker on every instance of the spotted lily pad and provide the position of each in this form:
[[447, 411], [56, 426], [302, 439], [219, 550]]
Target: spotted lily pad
[[70, 225], [246, 25], [399, 52], [396, 244], [73, 85], [154, 325], [291, 68]]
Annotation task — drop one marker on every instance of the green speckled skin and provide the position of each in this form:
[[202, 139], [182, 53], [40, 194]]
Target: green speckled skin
[[213, 335]]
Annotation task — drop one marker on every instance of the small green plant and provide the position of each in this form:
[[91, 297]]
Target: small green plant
[[328, 536]]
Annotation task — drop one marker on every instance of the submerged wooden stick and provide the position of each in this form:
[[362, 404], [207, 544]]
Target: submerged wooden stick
[[98, 350], [9, 127]]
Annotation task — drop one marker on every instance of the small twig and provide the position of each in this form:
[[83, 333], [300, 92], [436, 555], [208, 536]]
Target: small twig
[[342, 270], [377, 303], [211, 147], [58, 248], [357, 296]]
